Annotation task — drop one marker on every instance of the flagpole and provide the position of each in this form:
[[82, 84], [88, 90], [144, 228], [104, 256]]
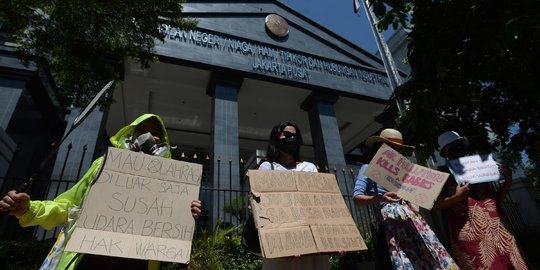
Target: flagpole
[[388, 60], [386, 55]]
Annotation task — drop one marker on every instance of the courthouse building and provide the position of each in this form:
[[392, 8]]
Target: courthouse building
[[222, 86]]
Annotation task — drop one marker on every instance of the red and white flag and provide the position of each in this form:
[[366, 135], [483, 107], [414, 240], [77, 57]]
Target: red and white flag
[[356, 6]]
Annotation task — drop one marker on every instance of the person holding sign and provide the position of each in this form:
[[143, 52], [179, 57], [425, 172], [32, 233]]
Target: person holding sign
[[411, 242], [146, 134], [479, 238], [284, 154]]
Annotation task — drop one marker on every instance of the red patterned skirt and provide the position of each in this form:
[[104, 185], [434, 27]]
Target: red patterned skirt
[[480, 240]]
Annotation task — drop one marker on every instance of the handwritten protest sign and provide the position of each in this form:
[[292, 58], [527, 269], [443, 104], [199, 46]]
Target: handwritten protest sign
[[474, 169], [301, 213], [139, 207], [412, 182]]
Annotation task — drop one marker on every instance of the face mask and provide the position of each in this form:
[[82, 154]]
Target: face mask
[[147, 144], [289, 145], [457, 151]]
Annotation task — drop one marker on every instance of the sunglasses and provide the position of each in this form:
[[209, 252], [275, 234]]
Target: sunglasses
[[288, 134]]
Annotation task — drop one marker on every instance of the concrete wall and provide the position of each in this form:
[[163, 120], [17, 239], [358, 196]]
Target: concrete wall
[[525, 195]]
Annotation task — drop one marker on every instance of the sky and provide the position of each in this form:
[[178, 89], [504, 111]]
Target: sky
[[339, 17]]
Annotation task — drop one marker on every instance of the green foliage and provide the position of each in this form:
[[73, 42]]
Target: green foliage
[[219, 250], [222, 250], [534, 174], [172, 266], [83, 43], [351, 259], [237, 206], [473, 66], [14, 254], [392, 12]]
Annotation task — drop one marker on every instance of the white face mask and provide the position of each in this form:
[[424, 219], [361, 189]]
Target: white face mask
[[147, 144]]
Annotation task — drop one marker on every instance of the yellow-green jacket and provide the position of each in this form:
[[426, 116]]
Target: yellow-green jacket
[[50, 214]]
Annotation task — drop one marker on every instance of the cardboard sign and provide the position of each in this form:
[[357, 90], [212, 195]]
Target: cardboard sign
[[139, 207], [475, 169], [412, 182], [301, 213]]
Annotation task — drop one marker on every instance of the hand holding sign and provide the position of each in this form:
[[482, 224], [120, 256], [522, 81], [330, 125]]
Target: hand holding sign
[[476, 169], [139, 207], [196, 209], [462, 191], [301, 213], [414, 183], [390, 197]]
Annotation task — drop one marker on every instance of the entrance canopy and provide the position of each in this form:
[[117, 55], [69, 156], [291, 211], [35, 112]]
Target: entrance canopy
[[178, 94], [280, 59]]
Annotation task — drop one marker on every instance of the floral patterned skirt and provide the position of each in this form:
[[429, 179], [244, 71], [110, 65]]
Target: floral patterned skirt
[[412, 243]]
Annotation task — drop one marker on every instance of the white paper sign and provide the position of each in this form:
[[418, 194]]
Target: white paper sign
[[475, 169]]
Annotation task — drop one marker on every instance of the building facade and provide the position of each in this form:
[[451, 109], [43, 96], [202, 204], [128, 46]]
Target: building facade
[[31, 120], [221, 87], [247, 66]]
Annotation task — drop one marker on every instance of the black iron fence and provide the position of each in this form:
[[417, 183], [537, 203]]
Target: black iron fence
[[221, 203], [512, 217], [232, 205]]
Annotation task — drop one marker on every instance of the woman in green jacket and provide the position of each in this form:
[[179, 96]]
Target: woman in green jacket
[[147, 134]]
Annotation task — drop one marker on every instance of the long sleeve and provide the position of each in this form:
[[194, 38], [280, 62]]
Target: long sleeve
[[362, 182], [49, 214], [365, 186]]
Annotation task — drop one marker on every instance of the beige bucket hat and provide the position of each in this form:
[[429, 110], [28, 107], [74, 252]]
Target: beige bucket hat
[[388, 136]]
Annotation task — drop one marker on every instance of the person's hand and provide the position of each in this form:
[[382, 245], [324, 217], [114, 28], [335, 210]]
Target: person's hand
[[15, 203], [196, 208], [462, 191], [415, 208], [390, 197], [505, 171]]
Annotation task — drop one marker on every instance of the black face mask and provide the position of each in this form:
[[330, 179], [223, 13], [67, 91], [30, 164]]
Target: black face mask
[[289, 145], [457, 151]]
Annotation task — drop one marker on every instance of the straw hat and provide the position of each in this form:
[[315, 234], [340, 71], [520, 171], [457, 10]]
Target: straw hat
[[388, 136]]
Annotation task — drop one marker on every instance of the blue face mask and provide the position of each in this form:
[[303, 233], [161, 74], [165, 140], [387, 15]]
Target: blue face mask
[[147, 144]]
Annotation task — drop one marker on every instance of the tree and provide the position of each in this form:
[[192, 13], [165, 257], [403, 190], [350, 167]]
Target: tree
[[473, 69], [83, 42]]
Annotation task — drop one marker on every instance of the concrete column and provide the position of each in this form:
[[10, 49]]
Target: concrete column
[[10, 93], [225, 154], [528, 202], [326, 137]]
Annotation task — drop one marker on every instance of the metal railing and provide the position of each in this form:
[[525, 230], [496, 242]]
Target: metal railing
[[231, 203]]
